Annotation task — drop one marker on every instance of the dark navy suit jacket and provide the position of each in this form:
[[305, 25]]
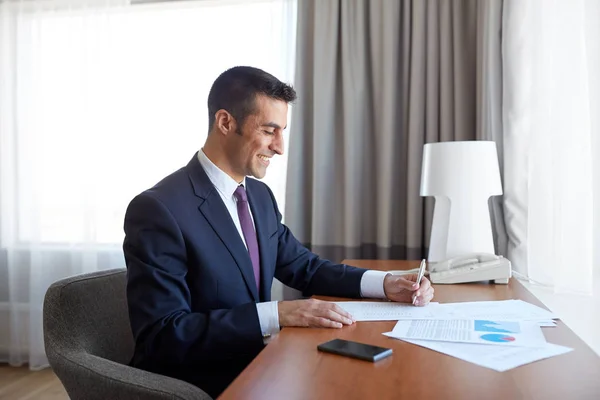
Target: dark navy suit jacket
[[190, 285]]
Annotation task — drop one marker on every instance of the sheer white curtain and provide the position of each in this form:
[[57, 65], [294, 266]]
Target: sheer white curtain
[[551, 52], [99, 99]]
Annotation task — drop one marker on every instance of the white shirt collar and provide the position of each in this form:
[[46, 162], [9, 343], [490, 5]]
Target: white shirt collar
[[223, 182]]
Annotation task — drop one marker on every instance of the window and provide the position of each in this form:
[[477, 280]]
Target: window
[[110, 102]]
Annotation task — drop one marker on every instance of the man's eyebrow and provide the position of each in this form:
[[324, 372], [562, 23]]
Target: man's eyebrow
[[273, 125]]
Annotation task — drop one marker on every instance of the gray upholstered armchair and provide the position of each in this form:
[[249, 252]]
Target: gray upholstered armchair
[[88, 342]]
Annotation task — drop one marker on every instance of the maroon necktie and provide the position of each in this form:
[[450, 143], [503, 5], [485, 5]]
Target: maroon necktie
[[248, 231]]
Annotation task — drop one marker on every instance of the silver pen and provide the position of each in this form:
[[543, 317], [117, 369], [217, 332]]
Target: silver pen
[[420, 276]]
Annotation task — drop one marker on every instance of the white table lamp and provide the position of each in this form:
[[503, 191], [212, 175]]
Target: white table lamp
[[461, 176]]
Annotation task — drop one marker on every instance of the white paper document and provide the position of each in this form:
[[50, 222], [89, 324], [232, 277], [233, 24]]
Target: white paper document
[[390, 311], [514, 310], [499, 358], [497, 333]]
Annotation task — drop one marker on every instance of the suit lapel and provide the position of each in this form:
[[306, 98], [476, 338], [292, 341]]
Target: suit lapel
[[217, 215], [219, 219]]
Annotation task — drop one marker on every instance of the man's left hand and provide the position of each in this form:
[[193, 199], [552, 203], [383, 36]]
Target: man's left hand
[[404, 288]]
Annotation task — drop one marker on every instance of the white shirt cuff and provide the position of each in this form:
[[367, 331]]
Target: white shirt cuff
[[268, 317], [371, 284]]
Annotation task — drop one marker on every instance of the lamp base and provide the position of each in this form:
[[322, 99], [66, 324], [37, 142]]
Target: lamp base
[[460, 228]]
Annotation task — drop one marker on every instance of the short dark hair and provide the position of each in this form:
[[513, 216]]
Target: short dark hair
[[235, 91]]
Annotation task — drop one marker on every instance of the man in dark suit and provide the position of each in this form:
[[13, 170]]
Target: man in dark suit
[[203, 245]]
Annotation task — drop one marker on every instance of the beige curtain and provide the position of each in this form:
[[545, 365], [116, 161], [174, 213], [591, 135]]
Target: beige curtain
[[376, 80]]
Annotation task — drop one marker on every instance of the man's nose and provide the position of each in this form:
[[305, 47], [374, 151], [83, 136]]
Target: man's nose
[[277, 144]]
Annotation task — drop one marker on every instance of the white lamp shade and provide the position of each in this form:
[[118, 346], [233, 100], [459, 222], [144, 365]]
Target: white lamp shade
[[451, 168], [462, 176]]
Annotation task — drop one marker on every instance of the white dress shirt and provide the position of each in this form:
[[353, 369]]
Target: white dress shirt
[[371, 284]]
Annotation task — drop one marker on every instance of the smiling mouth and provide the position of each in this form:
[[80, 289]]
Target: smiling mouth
[[264, 159]]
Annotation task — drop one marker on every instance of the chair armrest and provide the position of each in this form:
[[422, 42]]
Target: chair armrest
[[86, 376]]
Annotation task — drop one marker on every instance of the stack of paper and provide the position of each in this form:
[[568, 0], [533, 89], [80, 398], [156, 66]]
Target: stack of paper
[[495, 334], [500, 310]]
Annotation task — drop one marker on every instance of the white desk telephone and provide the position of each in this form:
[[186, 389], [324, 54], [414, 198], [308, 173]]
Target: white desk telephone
[[471, 268]]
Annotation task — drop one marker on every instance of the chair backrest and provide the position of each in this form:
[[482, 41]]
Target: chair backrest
[[88, 313], [89, 343]]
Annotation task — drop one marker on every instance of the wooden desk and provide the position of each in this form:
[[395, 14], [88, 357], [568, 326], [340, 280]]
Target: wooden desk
[[290, 367]]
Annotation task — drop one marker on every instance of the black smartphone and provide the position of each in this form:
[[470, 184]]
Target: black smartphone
[[361, 351]]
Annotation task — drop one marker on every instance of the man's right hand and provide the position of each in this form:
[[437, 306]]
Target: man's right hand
[[313, 313]]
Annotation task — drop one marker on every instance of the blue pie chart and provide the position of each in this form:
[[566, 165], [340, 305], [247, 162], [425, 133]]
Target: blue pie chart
[[498, 338]]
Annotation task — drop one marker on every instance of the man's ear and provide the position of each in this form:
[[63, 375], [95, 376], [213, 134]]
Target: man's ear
[[225, 122]]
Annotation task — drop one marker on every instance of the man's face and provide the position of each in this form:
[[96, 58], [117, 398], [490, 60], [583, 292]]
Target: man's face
[[259, 138]]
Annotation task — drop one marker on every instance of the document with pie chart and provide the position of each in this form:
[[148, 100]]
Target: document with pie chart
[[501, 333]]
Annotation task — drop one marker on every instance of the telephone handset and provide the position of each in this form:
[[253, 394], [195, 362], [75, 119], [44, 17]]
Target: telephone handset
[[471, 268]]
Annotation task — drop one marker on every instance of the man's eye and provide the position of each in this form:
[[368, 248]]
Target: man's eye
[[269, 132]]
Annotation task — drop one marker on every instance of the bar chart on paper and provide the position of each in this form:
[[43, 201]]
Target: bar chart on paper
[[506, 333], [499, 330]]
